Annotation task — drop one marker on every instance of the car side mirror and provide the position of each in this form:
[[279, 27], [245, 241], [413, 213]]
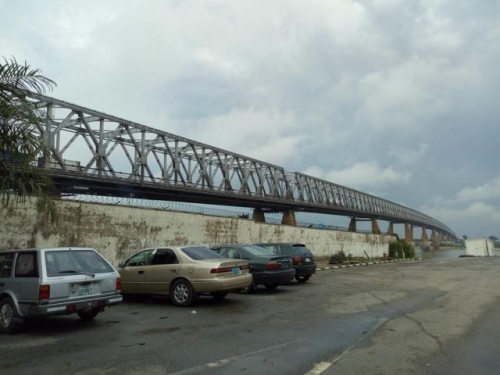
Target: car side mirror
[[121, 264]]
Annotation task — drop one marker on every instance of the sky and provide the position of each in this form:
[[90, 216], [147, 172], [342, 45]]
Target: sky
[[395, 98]]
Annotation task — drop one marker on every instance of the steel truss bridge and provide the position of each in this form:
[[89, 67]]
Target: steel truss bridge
[[95, 153]]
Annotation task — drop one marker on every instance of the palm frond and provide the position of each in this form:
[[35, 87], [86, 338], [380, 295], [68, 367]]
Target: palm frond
[[19, 141], [14, 76]]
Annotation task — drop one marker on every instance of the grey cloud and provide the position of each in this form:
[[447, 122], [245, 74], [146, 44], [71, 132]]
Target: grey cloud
[[337, 85]]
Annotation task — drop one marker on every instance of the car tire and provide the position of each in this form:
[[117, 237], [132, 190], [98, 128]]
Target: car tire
[[9, 318], [302, 278], [271, 286], [88, 314], [182, 293], [219, 295]]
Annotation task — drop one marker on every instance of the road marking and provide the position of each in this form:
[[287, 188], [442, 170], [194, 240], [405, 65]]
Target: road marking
[[226, 361], [381, 322], [29, 344], [319, 368]]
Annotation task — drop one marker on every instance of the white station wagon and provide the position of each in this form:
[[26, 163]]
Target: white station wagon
[[55, 281]]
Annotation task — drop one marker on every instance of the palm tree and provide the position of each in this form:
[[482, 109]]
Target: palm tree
[[19, 141]]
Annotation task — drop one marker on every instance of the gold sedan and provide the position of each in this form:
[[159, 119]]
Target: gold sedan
[[183, 272]]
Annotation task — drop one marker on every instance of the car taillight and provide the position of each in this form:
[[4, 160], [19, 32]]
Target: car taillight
[[43, 293], [297, 260], [118, 283], [220, 270], [272, 265], [245, 267]]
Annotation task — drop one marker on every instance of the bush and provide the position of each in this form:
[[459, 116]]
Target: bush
[[408, 250], [401, 249], [393, 249], [340, 257]]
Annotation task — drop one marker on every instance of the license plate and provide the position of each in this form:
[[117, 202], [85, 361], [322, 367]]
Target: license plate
[[308, 259], [284, 265], [236, 271], [84, 290]]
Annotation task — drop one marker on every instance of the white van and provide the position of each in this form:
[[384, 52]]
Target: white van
[[55, 281]]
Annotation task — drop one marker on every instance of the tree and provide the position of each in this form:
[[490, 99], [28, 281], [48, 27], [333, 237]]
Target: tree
[[493, 238], [464, 237], [20, 143]]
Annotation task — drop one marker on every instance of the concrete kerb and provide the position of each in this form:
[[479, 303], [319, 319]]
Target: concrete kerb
[[326, 267]]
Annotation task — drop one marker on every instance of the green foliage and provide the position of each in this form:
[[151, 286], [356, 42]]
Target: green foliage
[[339, 257], [401, 249], [20, 143]]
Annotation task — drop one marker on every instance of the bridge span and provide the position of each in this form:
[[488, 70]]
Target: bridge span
[[90, 152]]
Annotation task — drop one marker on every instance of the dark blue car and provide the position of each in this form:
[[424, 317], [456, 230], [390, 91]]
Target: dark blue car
[[267, 268]]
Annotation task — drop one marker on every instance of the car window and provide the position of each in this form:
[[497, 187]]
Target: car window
[[258, 250], [140, 259], [59, 263], [301, 250], [164, 256], [6, 265], [229, 252], [26, 265], [200, 253], [274, 248]]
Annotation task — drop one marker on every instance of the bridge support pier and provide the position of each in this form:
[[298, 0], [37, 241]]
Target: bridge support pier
[[258, 216], [352, 225], [390, 229], [289, 218], [435, 240], [409, 235], [426, 245], [375, 227]]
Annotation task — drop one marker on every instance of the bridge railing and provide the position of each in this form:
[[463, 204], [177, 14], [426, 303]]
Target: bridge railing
[[101, 146]]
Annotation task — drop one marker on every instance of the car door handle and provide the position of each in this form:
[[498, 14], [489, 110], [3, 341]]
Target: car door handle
[[140, 272], [173, 271]]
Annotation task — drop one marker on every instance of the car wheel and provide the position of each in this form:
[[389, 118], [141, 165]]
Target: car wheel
[[182, 293], [88, 314], [302, 278], [271, 286], [219, 295], [8, 316]]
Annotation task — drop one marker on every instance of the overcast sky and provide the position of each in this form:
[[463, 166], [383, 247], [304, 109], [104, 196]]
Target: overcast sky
[[395, 98]]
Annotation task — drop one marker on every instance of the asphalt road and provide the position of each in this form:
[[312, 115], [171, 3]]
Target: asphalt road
[[438, 316]]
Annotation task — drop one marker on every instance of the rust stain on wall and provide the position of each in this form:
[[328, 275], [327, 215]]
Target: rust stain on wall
[[221, 231], [120, 231]]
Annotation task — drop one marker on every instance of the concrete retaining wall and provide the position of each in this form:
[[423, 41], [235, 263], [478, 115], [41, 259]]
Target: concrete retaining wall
[[118, 231]]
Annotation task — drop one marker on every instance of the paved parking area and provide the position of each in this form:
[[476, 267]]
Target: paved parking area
[[420, 317]]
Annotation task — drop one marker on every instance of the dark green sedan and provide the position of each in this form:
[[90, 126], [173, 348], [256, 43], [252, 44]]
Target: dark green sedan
[[267, 268]]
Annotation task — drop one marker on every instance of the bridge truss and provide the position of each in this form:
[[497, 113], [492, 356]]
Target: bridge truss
[[91, 152]]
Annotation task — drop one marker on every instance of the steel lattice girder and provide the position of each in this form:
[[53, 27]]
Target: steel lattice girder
[[126, 152]]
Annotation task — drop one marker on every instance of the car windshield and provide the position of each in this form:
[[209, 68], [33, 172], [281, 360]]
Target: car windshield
[[258, 250], [75, 262], [200, 253], [301, 250]]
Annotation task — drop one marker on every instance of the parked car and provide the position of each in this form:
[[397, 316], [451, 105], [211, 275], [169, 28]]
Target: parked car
[[303, 258], [267, 268], [183, 273], [55, 281]]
